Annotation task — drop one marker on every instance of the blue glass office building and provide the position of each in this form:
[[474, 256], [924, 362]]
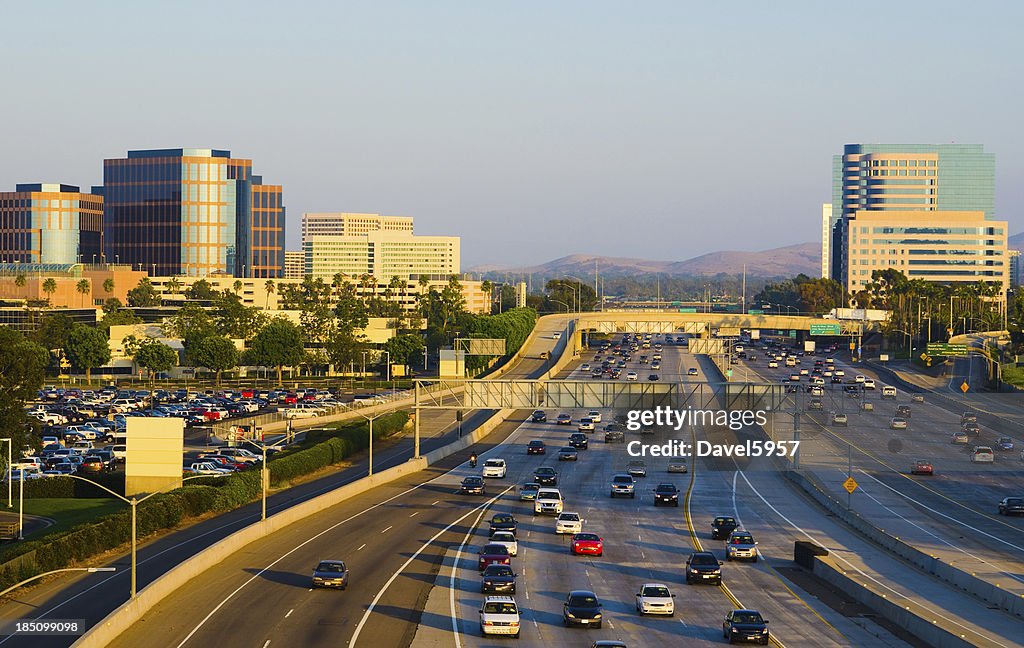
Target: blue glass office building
[[50, 224]]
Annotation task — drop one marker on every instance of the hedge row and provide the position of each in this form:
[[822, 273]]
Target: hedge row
[[167, 510]]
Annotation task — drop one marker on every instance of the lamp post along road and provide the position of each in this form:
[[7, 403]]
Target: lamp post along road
[[10, 464]]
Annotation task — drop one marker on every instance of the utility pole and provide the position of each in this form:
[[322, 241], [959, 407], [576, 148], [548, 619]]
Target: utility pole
[[744, 290]]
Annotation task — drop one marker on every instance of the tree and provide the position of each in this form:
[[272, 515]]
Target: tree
[[278, 345], [108, 285], [53, 331], [190, 324], [173, 285], [579, 296], [237, 285], [22, 371], [20, 280], [83, 288], [201, 291], [143, 295], [154, 356], [87, 348], [214, 352], [49, 287], [404, 348], [269, 288], [236, 320], [114, 315]]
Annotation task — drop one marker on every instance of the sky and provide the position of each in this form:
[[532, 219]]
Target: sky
[[533, 130]]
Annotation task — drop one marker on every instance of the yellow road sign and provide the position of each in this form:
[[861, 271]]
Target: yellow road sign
[[850, 484], [964, 387]]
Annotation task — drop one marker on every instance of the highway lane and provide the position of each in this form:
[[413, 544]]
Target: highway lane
[[93, 597]]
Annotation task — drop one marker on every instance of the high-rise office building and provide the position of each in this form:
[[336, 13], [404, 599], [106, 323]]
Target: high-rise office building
[[343, 223], [1015, 268], [826, 239], [946, 247], [906, 178], [50, 224], [380, 254], [192, 212], [294, 264]]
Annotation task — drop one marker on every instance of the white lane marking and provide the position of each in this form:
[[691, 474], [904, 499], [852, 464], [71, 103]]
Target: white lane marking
[[853, 567], [414, 514], [376, 599], [361, 547], [455, 573], [684, 623], [435, 503], [266, 644], [948, 517], [293, 550], [289, 613], [387, 529]]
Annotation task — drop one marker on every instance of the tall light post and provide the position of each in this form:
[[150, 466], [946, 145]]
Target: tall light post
[[10, 464], [134, 503], [387, 370], [371, 418], [264, 474], [577, 291], [362, 377]]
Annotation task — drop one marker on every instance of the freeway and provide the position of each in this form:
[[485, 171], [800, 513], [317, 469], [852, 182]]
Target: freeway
[[92, 597]]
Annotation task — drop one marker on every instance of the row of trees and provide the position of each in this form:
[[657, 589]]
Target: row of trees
[[814, 296]]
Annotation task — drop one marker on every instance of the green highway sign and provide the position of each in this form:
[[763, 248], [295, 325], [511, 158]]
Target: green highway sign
[[687, 310], [755, 311], [825, 329], [946, 349]]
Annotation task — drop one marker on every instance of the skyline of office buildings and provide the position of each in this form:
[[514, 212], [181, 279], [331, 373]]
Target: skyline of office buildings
[[50, 223]]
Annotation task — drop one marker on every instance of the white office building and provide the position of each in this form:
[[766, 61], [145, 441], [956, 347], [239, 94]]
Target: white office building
[[350, 224]]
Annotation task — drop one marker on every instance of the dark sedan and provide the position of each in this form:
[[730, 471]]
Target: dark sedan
[[536, 447], [473, 485], [745, 625], [1011, 506], [545, 476], [499, 579], [568, 453], [666, 494], [564, 419], [582, 608], [330, 573], [578, 440], [503, 522], [539, 416]]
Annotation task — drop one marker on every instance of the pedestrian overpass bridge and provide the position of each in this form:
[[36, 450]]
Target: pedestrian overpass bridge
[[706, 324]]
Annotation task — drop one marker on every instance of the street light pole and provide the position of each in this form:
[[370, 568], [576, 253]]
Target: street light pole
[[10, 464]]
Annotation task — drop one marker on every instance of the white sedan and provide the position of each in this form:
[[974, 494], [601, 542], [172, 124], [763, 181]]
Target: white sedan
[[594, 416], [507, 539], [495, 468], [569, 523], [655, 598]]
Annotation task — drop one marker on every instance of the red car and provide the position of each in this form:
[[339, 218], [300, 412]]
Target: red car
[[536, 447], [922, 468], [226, 462], [493, 554], [587, 543]]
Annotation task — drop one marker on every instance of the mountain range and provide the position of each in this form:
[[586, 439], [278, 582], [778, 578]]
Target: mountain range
[[786, 261]]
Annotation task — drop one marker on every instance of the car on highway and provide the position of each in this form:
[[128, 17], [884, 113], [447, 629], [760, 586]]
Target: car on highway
[[666, 494], [330, 573], [613, 433], [746, 626], [741, 546], [677, 466], [586, 425], [585, 366], [631, 375], [564, 419], [655, 598], [548, 502], [869, 383], [492, 554], [838, 418], [971, 428], [898, 423], [860, 379], [1011, 506], [528, 491], [539, 416], [473, 485], [815, 404], [703, 567], [506, 538], [960, 437], [968, 417], [556, 335], [773, 364], [594, 415], [903, 410], [836, 380], [582, 608], [587, 543], [637, 468], [568, 453], [503, 522], [495, 468], [888, 391], [982, 454], [840, 373], [568, 522], [922, 467], [536, 447], [623, 484], [499, 615], [692, 371], [498, 578], [852, 391], [722, 526], [1005, 443], [579, 440], [546, 476]]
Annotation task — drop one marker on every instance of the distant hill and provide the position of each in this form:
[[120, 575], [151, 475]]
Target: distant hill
[[779, 262], [1016, 242]]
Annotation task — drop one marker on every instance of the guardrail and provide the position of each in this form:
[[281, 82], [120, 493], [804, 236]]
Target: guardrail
[[8, 530]]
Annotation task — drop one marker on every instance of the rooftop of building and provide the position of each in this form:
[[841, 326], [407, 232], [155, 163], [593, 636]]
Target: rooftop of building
[[179, 152]]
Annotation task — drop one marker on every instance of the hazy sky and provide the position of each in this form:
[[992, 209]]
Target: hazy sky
[[531, 129]]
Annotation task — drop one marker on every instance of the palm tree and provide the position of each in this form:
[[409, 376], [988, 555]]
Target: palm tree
[[237, 286], [20, 281], [269, 289], [173, 286], [83, 287], [108, 285], [49, 287]]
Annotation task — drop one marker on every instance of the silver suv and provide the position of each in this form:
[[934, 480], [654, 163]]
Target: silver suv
[[623, 484]]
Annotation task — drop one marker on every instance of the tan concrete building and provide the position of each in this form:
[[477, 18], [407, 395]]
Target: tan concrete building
[[946, 247], [294, 264], [380, 254], [66, 278], [352, 224]]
